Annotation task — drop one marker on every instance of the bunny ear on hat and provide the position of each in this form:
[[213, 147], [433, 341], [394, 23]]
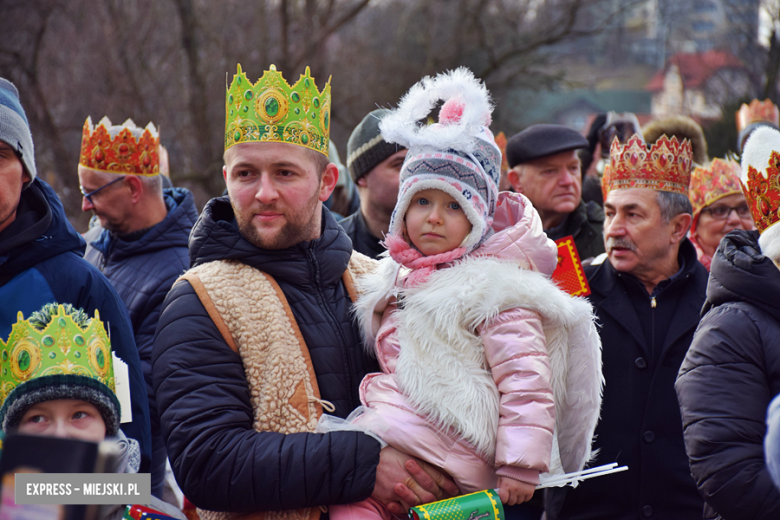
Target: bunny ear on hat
[[465, 113]]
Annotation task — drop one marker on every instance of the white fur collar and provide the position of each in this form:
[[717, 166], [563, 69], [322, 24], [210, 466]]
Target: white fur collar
[[437, 327]]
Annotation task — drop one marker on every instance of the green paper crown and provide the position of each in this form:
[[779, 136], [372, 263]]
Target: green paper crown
[[273, 111], [62, 347]]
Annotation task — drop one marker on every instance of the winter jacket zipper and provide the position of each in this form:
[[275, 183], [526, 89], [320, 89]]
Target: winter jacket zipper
[[333, 322]]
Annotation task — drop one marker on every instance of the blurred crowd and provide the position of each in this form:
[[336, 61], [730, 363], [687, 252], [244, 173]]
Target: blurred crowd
[[446, 358]]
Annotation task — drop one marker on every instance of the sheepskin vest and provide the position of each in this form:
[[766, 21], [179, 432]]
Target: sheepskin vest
[[253, 316]]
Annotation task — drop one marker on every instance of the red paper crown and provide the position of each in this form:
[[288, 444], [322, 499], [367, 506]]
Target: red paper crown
[[757, 112], [713, 182], [763, 193], [665, 167], [116, 149]]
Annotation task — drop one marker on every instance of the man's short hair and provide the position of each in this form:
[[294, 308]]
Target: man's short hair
[[673, 204], [153, 184], [321, 162]]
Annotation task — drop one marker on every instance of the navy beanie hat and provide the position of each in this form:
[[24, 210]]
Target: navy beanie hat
[[14, 128]]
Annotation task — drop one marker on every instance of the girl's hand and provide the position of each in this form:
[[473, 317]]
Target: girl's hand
[[512, 491]]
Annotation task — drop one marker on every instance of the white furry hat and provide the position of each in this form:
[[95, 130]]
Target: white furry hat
[[761, 163], [457, 155]]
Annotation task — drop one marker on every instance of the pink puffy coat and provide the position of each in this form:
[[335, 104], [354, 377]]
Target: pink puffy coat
[[515, 356]]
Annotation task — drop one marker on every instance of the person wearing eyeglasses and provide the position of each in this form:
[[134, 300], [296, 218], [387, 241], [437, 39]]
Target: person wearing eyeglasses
[[141, 244], [41, 258], [718, 206]]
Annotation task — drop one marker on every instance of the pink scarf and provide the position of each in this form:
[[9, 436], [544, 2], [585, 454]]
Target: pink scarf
[[422, 266]]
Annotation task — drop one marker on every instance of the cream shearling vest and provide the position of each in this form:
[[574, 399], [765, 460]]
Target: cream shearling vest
[[253, 316]]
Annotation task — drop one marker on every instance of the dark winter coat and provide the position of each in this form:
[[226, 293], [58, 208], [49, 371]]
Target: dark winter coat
[[41, 262], [220, 462], [728, 379], [142, 267], [644, 340], [362, 240], [586, 225]]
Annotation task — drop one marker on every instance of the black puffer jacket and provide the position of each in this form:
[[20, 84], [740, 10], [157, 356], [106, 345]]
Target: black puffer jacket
[[729, 377], [219, 461]]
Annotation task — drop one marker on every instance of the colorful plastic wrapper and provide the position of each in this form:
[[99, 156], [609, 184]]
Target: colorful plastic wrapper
[[137, 512], [483, 505]]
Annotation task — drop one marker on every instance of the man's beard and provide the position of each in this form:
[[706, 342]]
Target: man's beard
[[300, 226]]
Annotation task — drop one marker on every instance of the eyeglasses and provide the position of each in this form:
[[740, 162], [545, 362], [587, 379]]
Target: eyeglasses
[[723, 212], [92, 193]]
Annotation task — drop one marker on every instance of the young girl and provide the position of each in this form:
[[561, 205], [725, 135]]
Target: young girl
[[473, 338]]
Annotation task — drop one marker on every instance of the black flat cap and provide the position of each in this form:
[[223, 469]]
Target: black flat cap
[[539, 141]]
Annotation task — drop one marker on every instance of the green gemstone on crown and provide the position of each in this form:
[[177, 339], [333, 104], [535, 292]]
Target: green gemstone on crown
[[77, 354], [79, 339], [230, 99], [24, 360], [271, 107], [52, 354], [295, 97], [304, 138], [101, 359], [248, 95], [316, 102], [48, 341], [62, 322], [5, 355]]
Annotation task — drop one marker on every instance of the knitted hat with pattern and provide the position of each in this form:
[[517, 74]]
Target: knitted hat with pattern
[[458, 155], [366, 148], [14, 128]]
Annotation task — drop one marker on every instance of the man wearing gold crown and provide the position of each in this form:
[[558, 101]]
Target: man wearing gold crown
[[647, 291], [257, 339], [142, 248], [732, 370], [40, 257]]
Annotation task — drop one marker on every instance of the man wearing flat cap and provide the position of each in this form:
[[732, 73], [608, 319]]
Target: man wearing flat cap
[[544, 167]]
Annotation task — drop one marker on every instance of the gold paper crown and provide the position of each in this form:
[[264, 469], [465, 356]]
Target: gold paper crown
[[123, 149], [713, 182], [757, 112], [62, 347], [762, 192], [665, 167], [273, 111]]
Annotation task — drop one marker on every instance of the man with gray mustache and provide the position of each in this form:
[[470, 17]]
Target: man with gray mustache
[[647, 291]]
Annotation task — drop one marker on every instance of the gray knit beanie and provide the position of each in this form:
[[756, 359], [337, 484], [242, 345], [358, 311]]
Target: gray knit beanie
[[14, 128], [366, 148]]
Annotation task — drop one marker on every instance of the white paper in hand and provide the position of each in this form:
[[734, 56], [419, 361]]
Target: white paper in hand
[[122, 384]]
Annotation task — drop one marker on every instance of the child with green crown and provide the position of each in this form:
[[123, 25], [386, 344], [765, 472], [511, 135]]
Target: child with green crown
[[57, 379]]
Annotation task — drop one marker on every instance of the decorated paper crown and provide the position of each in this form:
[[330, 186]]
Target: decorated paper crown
[[757, 112], [123, 149], [760, 178], [273, 111], [61, 348], [713, 182], [666, 166]]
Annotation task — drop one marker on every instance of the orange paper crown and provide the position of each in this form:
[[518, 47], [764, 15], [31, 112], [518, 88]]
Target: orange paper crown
[[757, 112], [124, 149], [665, 167], [501, 142], [762, 192], [713, 182]]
